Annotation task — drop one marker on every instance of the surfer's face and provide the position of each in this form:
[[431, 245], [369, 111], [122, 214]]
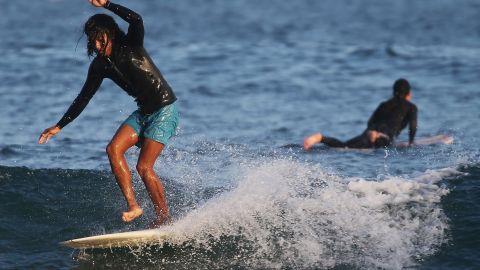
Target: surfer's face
[[103, 45]]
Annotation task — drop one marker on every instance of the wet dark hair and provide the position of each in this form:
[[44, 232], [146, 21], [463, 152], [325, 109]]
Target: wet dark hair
[[401, 88], [96, 26]]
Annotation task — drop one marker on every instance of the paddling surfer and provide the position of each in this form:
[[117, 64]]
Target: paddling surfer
[[122, 58], [385, 124]]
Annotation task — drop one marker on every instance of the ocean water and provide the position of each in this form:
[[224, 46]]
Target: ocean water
[[253, 78]]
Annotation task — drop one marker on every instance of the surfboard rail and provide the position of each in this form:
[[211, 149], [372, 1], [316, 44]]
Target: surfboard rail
[[437, 139]]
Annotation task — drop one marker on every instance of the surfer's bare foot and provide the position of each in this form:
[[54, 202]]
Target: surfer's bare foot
[[312, 140], [132, 214]]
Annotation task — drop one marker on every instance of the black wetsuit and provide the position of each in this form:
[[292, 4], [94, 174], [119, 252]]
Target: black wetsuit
[[130, 67], [390, 118]]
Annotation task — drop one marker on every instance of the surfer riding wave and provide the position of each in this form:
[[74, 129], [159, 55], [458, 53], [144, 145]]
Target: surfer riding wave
[[123, 59]]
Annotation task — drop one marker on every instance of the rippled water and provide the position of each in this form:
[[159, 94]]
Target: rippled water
[[252, 80]]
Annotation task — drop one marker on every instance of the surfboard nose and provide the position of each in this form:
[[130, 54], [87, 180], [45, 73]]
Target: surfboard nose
[[123, 239]]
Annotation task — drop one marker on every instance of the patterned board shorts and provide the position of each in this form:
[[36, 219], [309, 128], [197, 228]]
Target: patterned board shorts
[[159, 126]]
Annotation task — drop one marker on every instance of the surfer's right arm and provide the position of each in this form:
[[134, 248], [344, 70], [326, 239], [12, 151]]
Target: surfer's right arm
[[47, 134], [412, 127], [90, 87]]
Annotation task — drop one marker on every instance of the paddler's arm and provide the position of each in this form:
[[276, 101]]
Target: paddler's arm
[[92, 83], [412, 125]]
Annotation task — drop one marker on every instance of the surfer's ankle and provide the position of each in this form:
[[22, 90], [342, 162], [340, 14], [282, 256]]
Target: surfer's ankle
[[160, 221], [157, 224]]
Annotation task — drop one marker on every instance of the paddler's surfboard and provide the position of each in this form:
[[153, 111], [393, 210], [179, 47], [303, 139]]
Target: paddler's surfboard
[[124, 239], [438, 139]]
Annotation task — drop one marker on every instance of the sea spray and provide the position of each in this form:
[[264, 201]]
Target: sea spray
[[291, 214]]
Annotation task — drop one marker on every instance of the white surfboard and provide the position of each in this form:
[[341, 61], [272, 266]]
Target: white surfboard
[[438, 139], [124, 239]]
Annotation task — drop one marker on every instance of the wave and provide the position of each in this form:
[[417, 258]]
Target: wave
[[288, 214], [278, 213]]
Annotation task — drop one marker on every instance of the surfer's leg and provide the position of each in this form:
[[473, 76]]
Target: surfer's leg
[[160, 127], [319, 138], [361, 141], [333, 142], [148, 155], [368, 139], [125, 138], [378, 139]]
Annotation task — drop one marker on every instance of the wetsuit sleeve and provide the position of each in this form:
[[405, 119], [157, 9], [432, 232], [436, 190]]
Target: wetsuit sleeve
[[135, 22], [92, 83], [412, 124]]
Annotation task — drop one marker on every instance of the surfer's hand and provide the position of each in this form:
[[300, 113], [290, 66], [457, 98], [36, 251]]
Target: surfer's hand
[[98, 3], [47, 134]]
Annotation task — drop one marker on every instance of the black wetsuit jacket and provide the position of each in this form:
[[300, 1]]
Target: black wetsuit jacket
[[394, 115], [130, 67]]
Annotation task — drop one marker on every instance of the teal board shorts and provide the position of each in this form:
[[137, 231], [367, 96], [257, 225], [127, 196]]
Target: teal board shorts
[[159, 126]]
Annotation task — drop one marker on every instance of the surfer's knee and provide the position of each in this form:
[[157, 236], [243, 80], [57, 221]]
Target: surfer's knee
[[144, 170], [113, 150]]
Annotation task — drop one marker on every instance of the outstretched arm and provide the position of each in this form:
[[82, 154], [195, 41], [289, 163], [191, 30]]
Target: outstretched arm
[[94, 79], [135, 22]]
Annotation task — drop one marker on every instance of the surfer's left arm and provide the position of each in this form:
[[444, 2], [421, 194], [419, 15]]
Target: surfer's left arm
[[136, 30], [412, 127]]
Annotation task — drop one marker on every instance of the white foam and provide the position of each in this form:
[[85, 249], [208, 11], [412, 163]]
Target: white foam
[[297, 215]]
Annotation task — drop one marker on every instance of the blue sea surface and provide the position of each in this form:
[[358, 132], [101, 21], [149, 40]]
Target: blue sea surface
[[253, 79]]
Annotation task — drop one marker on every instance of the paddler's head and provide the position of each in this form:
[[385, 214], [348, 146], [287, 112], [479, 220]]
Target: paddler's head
[[401, 89]]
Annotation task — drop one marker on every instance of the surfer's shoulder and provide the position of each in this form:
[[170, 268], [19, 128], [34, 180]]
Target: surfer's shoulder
[[99, 65]]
